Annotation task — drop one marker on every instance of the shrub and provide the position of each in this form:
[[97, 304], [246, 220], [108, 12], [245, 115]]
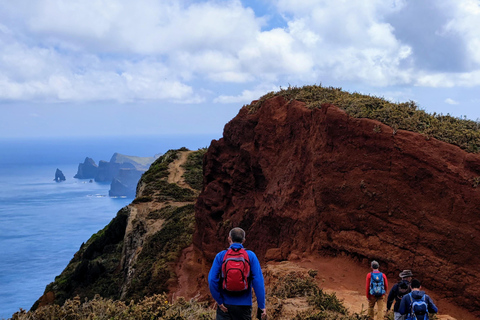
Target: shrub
[[194, 169]]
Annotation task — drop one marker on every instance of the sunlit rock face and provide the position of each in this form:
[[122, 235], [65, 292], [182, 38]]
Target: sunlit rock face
[[318, 182]]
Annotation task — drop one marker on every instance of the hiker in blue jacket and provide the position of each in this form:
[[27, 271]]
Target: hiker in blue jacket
[[237, 305], [417, 304]]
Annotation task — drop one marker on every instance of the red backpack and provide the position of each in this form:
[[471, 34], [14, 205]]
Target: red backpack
[[235, 270]]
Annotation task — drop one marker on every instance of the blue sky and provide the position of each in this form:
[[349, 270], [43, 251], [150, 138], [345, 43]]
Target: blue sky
[[118, 67]]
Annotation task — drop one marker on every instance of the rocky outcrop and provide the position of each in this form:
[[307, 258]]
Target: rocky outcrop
[[87, 170], [122, 172], [125, 183], [107, 171], [316, 181], [59, 176]]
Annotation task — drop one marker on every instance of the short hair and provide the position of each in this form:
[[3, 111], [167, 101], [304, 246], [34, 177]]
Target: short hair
[[416, 284], [237, 235], [375, 265]]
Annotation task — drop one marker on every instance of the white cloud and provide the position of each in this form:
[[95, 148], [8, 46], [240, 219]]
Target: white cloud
[[451, 101], [247, 96], [178, 50], [465, 23]]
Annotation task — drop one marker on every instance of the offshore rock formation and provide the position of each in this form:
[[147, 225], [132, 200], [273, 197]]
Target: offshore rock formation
[[87, 170], [122, 171], [318, 182], [59, 176]]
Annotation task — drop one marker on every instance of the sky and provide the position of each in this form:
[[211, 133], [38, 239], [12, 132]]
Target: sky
[[75, 68]]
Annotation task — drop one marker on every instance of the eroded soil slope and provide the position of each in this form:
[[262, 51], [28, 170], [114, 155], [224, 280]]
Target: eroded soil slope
[[318, 182]]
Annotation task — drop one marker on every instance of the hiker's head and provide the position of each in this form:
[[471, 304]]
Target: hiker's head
[[374, 265], [406, 275], [416, 284], [237, 235]]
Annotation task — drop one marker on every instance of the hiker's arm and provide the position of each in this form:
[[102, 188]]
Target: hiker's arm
[[367, 286], [403, 305], [258, 283], [391, 297], [386, 282], [432, 308], [214, 279]]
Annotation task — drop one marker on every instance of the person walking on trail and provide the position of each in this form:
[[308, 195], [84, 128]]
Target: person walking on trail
[[234, 273], [417, 304], [376, 287], [399, 290]]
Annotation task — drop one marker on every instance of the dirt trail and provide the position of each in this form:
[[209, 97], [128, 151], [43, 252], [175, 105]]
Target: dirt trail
[[176, 170], [343, 276]]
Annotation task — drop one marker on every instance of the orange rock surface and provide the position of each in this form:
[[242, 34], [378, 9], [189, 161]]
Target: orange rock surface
[[319, 183]]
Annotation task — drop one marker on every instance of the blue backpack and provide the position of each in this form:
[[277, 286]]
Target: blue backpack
[[418, 307], [377, 285]]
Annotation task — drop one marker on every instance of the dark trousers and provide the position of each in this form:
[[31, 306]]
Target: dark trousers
[[235, 313]]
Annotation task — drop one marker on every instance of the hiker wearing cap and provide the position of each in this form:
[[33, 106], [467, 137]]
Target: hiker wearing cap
[[234, 273], [398, 291], [417, 304], [376, 287]]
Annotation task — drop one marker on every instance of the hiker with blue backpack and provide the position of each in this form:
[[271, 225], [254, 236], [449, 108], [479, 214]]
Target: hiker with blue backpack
[[399, 290], [417, 304], [376, 287], [234, 273]]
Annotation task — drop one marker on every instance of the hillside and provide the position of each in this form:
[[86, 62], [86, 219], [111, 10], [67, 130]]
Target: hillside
[[132, 256], [313, 181], [321, 187]]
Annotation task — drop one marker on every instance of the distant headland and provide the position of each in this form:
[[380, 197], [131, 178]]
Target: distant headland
[[122, 171]]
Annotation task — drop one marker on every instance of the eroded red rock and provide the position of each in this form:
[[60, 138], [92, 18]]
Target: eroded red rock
[[319, 182]]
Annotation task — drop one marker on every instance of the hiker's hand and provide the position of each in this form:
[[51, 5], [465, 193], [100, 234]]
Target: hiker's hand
[[223, 308], [264, 314]]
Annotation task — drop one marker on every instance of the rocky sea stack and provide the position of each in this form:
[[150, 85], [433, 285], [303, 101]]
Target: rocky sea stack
[[59, 176], [312, 174]]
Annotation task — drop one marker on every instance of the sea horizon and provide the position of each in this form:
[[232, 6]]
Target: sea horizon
[[42, 222]]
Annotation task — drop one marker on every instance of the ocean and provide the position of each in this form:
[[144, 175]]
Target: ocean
[[43, 222]]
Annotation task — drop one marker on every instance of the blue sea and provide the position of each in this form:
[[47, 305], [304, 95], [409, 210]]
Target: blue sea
[[42, 222]]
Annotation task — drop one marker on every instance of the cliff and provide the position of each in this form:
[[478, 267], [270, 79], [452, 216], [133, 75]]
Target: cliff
[[87, 170], [318, 182], [133, 257]]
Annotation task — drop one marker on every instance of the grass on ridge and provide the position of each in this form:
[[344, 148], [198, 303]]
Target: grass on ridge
[[463, 133]]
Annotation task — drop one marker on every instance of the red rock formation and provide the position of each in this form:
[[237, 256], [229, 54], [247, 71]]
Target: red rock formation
[[317, 181]]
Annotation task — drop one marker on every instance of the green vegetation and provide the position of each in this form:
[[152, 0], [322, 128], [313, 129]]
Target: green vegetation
[[159, 168], [94, 268], [171, 191], [157, 306], [154, 267], [155, 179], [407, 115], [194, 169], [323, 305], [154, 307]]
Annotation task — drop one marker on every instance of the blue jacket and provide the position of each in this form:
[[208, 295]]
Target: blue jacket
[[406, 303], [222, 297]]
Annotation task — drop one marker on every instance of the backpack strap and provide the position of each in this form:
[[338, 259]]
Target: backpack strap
[[411, 304]]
